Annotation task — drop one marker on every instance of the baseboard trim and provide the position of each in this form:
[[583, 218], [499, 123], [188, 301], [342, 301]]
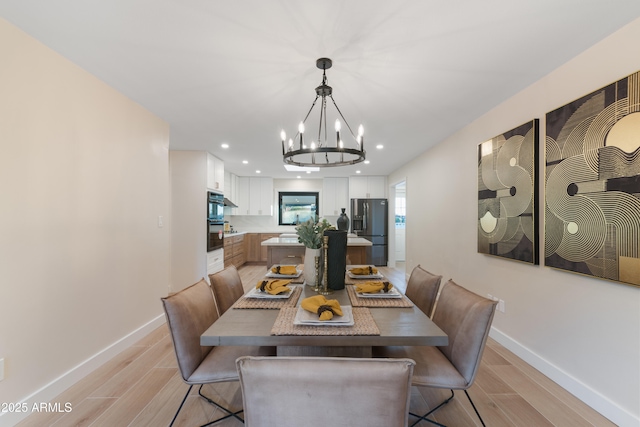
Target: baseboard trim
[[588, 395], [48, 392]]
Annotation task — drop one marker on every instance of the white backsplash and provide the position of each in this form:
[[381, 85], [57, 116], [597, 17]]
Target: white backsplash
[[264, 224]]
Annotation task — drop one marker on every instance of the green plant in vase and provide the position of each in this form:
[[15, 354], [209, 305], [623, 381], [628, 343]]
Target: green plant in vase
[[310, 235]]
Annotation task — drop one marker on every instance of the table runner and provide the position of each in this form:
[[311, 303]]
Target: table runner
[[357, 301], [363, 324], [275, 303]]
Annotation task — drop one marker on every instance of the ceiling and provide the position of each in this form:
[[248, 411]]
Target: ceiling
[[412, 72]]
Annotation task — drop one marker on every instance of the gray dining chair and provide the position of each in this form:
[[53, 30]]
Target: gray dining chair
[[466, 319], [325, 391], [189, 313], [422, 289], [227, 288]]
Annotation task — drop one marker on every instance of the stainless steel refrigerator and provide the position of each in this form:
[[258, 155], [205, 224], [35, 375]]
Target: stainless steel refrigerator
[[369, 219]]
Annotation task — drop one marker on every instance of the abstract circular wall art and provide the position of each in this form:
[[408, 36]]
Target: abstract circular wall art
[[592, 188], [507, 194]]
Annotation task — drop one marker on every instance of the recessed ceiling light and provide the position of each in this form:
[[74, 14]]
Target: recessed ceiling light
[[224, 145], [357, 171], [258, 171], [308, 171], [366, 162], [244, 162], [379, 146], [298, 176]]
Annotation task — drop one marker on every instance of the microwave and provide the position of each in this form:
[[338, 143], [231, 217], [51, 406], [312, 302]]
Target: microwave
[[215, 207]]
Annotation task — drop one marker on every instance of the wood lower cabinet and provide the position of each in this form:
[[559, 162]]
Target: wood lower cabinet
[[263, 249], [254, 250], [234, 250]]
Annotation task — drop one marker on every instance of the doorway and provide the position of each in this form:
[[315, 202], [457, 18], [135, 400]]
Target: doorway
[[400, 224]]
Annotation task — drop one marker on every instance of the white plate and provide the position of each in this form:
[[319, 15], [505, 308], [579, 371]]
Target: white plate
[[304, 317], [257, 293], [364, 276], [393, 293], [272, 275]]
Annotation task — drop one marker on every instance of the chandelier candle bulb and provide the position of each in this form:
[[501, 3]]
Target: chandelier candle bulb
[[338, 140], [301, 131]]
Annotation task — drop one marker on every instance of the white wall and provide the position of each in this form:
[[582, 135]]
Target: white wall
[[83, 179], [582, 332]]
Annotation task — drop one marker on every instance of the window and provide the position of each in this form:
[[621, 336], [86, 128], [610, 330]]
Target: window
[[297, 207]]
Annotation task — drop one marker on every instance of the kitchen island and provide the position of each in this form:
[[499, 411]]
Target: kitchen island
[[279, 248]]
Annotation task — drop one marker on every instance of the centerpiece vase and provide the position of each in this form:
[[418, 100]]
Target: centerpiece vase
[[343, 221], [310, 265], [336, 258]]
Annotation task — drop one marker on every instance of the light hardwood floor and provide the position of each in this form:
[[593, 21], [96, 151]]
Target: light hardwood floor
[[142, 387]]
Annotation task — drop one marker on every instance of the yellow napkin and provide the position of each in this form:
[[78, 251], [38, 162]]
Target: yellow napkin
[[323, 307], [274, 287], [364, 271], [284, 269], [373, 287]]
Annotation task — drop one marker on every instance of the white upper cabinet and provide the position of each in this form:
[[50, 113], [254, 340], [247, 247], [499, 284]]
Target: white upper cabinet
[[255, 196], [215, 173], [231, 191], [367, 187], [335, 195]]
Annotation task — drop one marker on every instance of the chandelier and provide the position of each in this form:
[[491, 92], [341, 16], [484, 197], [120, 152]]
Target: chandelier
[[321, 152]]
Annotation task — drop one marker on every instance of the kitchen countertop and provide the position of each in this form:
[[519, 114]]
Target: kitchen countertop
[[292, 241], [235, 233]]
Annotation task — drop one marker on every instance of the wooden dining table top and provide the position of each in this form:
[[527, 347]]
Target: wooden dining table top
[[397, 325]]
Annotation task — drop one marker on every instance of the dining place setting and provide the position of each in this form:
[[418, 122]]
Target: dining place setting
[[305, 310]]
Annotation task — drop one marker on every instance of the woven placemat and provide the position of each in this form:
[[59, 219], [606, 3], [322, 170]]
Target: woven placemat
[[363, 324], [275, 303], [357, 301]]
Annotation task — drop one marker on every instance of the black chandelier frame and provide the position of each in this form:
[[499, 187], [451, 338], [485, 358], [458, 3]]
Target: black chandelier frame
[[305, 156]]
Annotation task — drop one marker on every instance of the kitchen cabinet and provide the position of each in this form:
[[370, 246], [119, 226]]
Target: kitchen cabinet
[[215, 261], [255, 252], [335, 196], [234, 253], [368, 187], [215, 173], [231, 191], [255, 196]]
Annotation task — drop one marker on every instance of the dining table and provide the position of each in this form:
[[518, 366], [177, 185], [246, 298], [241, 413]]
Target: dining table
[[274, 322]]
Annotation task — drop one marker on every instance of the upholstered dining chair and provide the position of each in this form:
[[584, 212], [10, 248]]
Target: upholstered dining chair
[[325, 391], [466, 318], [227, 287], [422, 289], [189, 313]]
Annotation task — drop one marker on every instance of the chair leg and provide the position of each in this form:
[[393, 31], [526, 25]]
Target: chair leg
[[181, 404], [230, 414], [424, 417], [474, 408]]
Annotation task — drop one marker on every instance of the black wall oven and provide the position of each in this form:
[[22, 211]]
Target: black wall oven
[[215, 221]]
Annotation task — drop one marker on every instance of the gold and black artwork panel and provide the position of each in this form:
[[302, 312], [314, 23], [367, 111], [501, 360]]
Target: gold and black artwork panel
[[507, 194], [592, 184]]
